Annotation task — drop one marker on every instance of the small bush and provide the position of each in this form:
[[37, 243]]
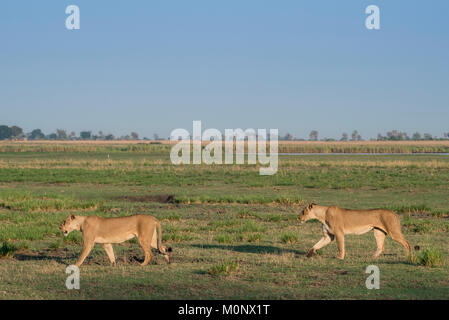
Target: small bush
[[224, 269], [7, 250], [289, 238], [429, 258]]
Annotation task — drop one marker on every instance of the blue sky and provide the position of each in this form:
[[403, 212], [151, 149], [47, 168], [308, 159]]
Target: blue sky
[[153, 66]]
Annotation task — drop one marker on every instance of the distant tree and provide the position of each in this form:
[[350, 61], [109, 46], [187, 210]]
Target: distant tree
[[344, 137], [109, 137], [155, 136], [101, 135], [16, 131], [52, 136], [134, 136], [36, 134], [288, 137], [355, 136], [5, 132], [72, 135], [428, 136], [86, 135], [416, 136], [380, 137], [61, 134], [313, 135], [396, 135], [446, 135]]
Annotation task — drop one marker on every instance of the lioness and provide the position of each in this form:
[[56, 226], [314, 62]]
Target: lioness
[[116, 230], [337, 222]]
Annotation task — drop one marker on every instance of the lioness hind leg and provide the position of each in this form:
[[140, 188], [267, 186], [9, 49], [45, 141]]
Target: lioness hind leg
[[379, 235], [110, 252], [145, 242]]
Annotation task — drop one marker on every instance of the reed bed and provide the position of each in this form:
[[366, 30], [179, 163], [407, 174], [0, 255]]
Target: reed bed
[[372, 147]]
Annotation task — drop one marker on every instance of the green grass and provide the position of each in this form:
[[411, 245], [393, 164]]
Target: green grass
[[224, 269], [234, 233]]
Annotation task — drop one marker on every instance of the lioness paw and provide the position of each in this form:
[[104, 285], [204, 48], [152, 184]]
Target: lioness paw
[[311, 253]]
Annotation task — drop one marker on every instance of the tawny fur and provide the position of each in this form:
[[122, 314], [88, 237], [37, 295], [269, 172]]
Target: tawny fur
[[338, 222], [107, 231]]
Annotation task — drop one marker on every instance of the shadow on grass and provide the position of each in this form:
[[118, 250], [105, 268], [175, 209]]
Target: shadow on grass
[[247, 248], [41, 257]]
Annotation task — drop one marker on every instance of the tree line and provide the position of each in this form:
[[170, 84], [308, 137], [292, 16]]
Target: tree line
[[394, 135], [17, 133]]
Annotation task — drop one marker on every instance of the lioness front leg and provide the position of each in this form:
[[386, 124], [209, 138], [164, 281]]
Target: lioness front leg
[[110, 252], [341, 244], [379, 235], [87, 247], [324, 241]]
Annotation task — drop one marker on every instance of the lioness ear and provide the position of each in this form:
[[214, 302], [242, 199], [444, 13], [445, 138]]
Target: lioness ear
[[72, 216], [312, 204]]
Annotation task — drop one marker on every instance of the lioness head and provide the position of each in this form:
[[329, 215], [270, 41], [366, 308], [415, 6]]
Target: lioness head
[[306, 213], [70, 223]]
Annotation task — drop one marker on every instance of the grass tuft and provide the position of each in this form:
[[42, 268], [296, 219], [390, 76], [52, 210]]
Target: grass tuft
[[7, 250], [224, 269], [255, 237], [289, 238], [430, 257]]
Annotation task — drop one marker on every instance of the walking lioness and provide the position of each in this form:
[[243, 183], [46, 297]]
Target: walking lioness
[[116, 230], [337, 222]]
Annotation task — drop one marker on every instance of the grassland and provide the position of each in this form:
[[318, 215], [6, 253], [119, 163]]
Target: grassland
[[234, 233]]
